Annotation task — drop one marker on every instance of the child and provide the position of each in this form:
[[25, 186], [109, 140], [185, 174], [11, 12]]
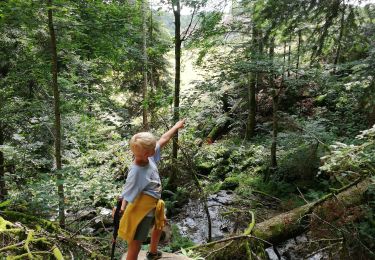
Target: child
[[141, 196]]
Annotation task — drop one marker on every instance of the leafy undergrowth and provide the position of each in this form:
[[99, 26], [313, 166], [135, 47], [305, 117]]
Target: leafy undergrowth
[[241, 166], [26, 236]]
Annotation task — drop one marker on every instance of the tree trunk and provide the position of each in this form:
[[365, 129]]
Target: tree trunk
[[289, 53], [144, 46], [3, 190], [342, 27], [255, 49], [275, 102], [152, 80], [290, 224], [56, 99], [250, 126], [176, 113], [89, 92], [298, 49], [284, 59]]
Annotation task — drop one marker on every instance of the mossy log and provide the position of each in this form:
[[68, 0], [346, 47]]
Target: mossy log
[[291, 223], [280, 227], [25, 218]]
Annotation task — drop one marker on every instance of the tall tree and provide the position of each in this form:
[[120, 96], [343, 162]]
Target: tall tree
[[274, 108], [339, 40], [176, 6], [57, 124], [255, 52], [3, 190], [299, 49], [145, 63]]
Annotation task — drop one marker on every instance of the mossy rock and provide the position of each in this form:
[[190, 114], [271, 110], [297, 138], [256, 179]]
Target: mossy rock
[[221, 171], [205, 167], [230, 183]]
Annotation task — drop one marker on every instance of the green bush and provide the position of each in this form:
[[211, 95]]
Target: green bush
[[299, 163], [178, 241]]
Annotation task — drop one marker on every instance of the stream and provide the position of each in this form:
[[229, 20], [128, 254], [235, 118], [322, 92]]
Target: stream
[[192, 223]]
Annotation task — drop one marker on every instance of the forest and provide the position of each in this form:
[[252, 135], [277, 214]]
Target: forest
[[277, 156]]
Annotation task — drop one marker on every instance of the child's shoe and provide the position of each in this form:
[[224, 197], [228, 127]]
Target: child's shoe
[[153, 256]]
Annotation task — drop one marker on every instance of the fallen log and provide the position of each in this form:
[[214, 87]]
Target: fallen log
[[291, 223], [280, 227], [222, 123]]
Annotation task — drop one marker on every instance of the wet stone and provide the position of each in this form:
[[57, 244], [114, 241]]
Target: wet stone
[[271, 254], [192, 221]]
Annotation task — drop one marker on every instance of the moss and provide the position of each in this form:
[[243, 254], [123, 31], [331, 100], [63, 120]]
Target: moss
[[230, 183], [4, 224], [24, 218], [205, 167]]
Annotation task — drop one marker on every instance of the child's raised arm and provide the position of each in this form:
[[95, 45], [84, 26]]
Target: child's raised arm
[[164, 139]]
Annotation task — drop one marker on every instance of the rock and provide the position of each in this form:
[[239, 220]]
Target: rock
[[170, 256], [88, 231], [271, 254], [317, 256], [193, 222], [85, 214], [224, 197]]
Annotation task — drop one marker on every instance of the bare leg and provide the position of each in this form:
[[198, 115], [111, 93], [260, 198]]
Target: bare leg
[[133, 250], [155, 236]]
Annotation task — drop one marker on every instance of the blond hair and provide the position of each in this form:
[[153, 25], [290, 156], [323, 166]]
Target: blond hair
[[143, 141]]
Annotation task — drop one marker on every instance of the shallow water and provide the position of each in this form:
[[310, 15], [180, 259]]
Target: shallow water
[[192, 221]]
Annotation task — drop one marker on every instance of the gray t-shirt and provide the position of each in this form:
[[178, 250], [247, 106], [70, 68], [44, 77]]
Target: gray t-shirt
[[144, 179]]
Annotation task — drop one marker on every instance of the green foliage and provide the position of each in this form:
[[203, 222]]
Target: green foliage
[[367, 225], [230, 183], [329, 97], [299, 163], [191, 254], [352, 160], [177, 200], [178, 241], [228, 158], [279, 189]]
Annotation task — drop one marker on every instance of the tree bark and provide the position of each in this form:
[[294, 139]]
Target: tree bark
[[289, 53], [57, 124], [255, 49], [298, 49], [145, 59], [176, 109], [250, 127], [176, 113], [275, 102], [152, 80], [3, 190], [284, 59]]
